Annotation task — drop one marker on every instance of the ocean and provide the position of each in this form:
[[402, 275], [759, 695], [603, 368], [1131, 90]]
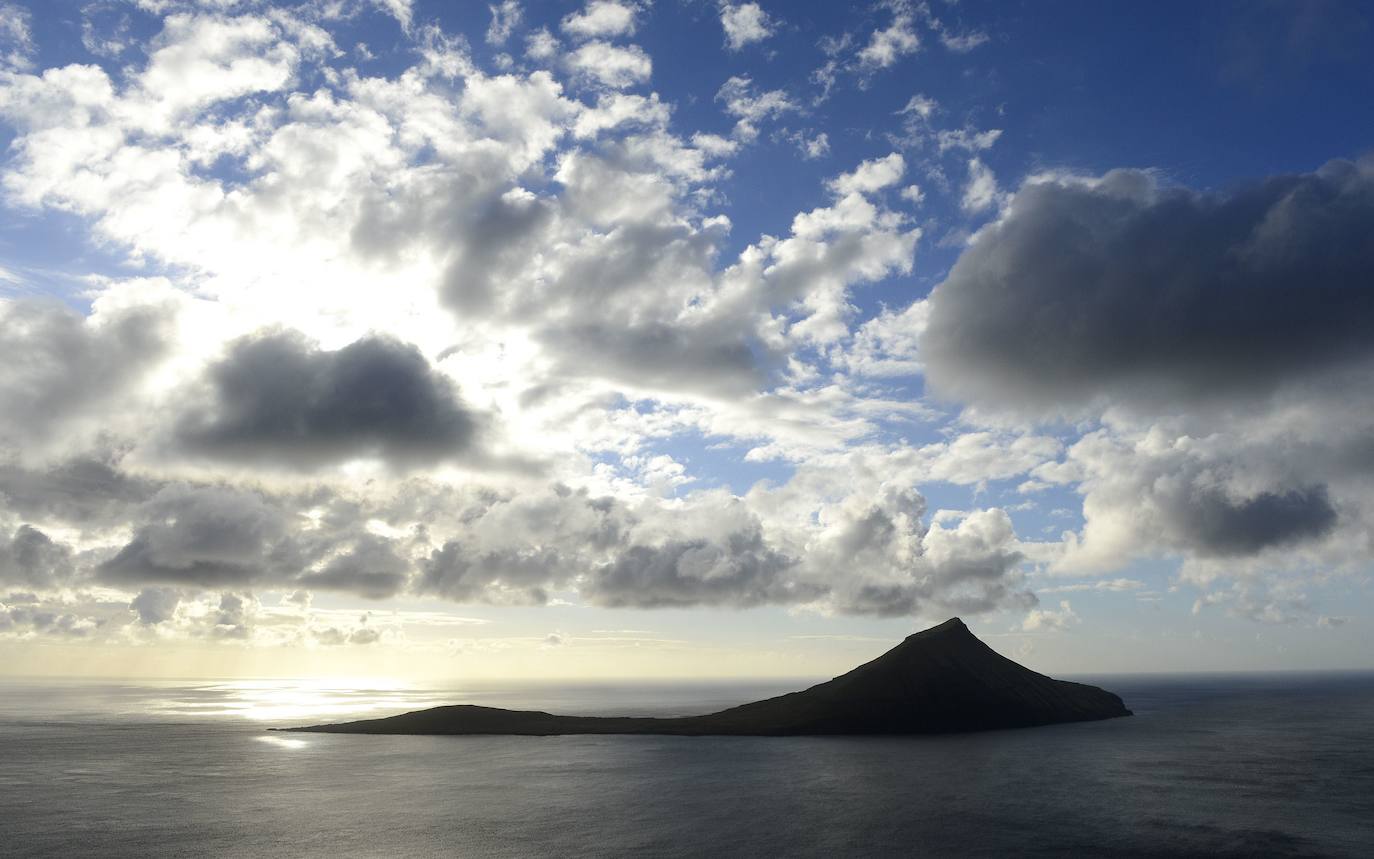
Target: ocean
[[1210, 765]]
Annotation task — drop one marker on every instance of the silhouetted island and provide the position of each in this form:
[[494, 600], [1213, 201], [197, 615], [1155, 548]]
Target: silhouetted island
[[942, 680]]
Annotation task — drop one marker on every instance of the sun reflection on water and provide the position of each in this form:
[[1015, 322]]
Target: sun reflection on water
[[302, 700], [282, 742]]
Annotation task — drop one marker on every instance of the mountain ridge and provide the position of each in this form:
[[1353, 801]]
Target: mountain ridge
[[939, 680]]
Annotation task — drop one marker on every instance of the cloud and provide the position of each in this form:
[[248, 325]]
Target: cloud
[[361, 634], [888, 45], [600, 19], [1221, 498], [749, 107], [155, 605], [1120, 289], [207, 537], [27, 620], [279, 398], [744, 24], [87, 491], [873, 175], [508, 576], [505, 17], [740, 571], [981, 192], [1050, 620], [31, 559], [610, 65], [372, 567], [16, 37], [811, 148], [401, 10], [62, 368], [1213, 523], [963, 42], [899, 565]]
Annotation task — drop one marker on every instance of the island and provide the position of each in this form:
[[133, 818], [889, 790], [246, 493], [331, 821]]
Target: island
[[941, 680]]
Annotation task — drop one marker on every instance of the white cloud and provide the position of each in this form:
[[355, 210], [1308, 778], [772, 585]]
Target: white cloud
[[872, 175], [1050, 620], [611, 65], [920, 106], [888, 45], [812, 148], [16, 38], [749, 107], [401, 10], [505, 18], [962, 43], [981, 192], [744, 24], [601, 19]]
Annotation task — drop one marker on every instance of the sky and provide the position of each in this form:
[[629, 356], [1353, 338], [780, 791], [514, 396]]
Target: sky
[[684, 338]]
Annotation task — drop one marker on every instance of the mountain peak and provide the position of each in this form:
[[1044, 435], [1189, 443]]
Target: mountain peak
[[953, 625]]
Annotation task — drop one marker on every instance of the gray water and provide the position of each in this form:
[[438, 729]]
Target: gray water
[[1209, 765]]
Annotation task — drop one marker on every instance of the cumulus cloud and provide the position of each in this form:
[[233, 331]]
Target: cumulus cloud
[[870, 176], [505, 576], [88, 491], [1122, 289], [740, 571], [372, 567], [744, 24], [981, 192], [155, 605], [750, 107], [614, 66], [64, 368], [1050, 620], [28, 620], [278, 397], [889, 44], [601, 18], [1219, 498], [31, 559], [209, 537]]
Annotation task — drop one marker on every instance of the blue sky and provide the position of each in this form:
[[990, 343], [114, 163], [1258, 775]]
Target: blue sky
[[684, 337]]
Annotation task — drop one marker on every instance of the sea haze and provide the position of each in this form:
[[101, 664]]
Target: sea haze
[[1278, 764]]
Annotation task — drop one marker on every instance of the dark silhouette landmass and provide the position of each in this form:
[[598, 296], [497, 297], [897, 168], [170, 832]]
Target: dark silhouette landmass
[[942, 680]]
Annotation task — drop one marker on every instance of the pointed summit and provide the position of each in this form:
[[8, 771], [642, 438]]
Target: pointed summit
[[939, 680], [953, 626]]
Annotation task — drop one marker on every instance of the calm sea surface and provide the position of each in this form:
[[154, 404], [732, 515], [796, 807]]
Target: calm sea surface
[[1278, 765]]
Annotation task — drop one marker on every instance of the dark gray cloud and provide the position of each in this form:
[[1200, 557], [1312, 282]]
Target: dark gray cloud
[[234, 617], [710, 360], [22, 619], [208, 537], [515, 576], [1125, 291], [1212, 523], [60, 364], [155, 605], [372, 568], [906, 599], [740, 571], [31, 559], [277, 397], [86, 491]]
